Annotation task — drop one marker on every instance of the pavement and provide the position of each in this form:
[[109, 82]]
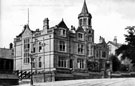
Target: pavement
[[90, 82]]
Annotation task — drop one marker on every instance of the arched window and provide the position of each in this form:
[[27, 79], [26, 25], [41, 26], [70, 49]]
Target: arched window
[[80, 22], [40, 63]]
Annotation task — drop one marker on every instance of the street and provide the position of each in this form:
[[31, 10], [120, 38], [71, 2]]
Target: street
[[90, 82]]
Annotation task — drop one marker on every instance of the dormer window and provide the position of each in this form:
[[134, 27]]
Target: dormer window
[[63, 32], [80, 36]]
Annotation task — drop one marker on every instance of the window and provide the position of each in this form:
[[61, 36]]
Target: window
[[80, 63], [40, 46], [80, 36], [80, 48], [84, 21], [110, 47], [62, 46], [26, 50], [90, 50], [40, 63], [62, 62], [89, 38], [80, 22], [33, 48], [63, 32], [71, 63], [26, 57], [104, 54]]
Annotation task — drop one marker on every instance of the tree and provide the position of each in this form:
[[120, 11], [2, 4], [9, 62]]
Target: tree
[[115, 63], [128, 50]]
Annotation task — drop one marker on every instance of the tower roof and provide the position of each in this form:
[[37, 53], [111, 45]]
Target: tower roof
[[84, 11], [62, 24]]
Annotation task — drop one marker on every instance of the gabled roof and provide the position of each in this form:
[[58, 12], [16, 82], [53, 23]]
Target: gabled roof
[[115, 44], [103, 43], [80, 29], [62, 24], [84, 11], [25, 27]]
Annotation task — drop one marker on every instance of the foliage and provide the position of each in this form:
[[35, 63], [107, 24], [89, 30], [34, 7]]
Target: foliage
[[115, 63], [128, 50]]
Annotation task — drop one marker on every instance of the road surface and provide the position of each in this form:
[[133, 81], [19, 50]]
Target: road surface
[[90, 82]]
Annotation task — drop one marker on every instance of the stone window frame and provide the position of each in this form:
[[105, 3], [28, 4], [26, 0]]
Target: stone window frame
[[62, 46], [40, 46], [26, 47], [63, 32], [80, 36], [62, 62], [80, 48], [40, 62], [80, 63], [90, 50], [84, 21]]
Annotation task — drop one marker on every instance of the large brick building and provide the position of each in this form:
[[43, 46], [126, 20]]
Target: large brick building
[[60, 52]]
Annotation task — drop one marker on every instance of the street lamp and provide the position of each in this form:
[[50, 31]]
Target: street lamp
[[31, 57], [44, 44], [31, 82]]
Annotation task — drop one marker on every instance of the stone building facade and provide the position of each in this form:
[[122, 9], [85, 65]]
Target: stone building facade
[[59, 52]]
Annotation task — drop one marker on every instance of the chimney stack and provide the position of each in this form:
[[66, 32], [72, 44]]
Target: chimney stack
[[11, 46], [115, 39], [101, 39], [46, 23]]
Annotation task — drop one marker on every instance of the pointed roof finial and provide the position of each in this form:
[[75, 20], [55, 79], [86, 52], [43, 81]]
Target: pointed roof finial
[[28, 16], [84, 9], [62, 24]]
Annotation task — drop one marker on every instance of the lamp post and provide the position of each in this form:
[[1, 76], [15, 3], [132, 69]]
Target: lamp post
[[50, 57], [31, 57], [31, 82], [44, 44]]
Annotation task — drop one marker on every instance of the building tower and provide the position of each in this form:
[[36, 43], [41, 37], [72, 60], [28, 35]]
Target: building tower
[[84, 19]]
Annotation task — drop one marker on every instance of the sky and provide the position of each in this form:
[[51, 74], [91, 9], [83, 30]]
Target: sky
[[109, 17]]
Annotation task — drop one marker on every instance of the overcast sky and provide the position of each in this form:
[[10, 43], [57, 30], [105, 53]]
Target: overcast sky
[[109, 17]]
